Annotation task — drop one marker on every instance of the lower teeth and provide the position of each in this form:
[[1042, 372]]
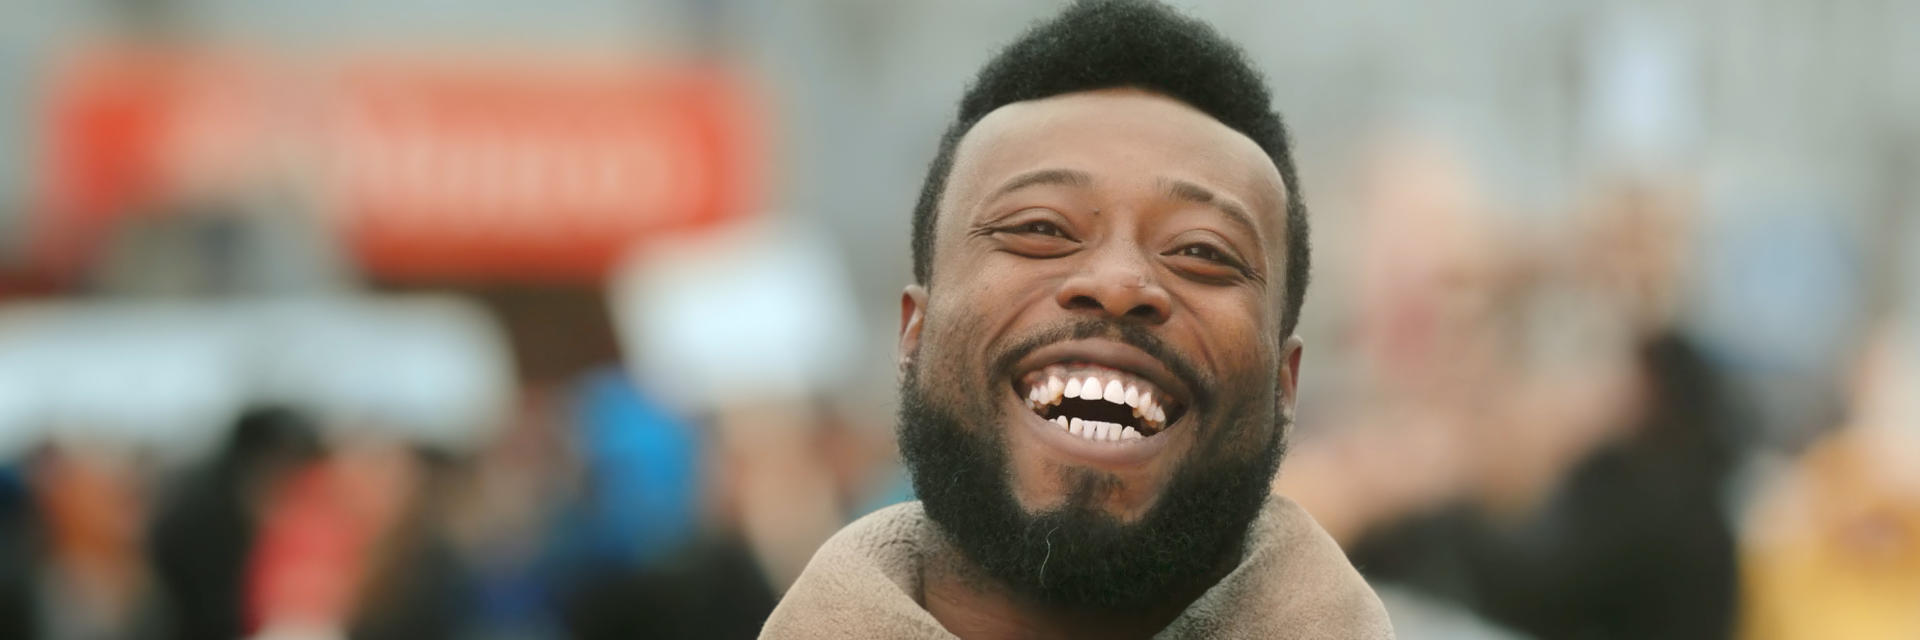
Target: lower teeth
[[1097, 430]]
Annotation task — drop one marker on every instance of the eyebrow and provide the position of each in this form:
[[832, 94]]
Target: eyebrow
[[1063, 177], [1190, 192]]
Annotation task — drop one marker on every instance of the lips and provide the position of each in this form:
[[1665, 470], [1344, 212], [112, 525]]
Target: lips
[[1103, 392]]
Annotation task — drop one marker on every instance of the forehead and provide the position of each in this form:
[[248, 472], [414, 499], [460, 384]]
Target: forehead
[[1120, 137]]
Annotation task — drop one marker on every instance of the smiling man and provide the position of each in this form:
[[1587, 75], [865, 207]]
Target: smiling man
[[1110, 254]]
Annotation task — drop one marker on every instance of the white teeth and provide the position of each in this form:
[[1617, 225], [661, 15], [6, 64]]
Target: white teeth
[[1097, 430], [1137, 396]]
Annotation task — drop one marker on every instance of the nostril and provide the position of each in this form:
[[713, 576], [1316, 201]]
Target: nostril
[[1144, 312], [1084, 302]]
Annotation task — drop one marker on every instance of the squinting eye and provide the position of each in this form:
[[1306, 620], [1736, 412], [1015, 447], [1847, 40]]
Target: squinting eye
[[1205, 252], [1040, 227]]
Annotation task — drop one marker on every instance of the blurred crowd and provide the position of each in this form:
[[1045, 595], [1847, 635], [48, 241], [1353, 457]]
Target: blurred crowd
[[586, 509], [246, 393]]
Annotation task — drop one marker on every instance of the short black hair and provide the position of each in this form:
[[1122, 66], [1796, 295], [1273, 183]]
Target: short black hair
[[1102, 44]]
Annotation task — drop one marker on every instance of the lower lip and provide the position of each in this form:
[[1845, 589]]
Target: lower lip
[[1122, 453]]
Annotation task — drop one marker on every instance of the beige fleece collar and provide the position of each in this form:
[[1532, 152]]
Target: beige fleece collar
[[1293, 583]]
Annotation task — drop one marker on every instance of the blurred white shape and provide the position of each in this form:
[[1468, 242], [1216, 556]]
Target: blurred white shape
[[428, 369], [159, 376], [172, 377], [19, 426], [1642, 90], [761, 312]]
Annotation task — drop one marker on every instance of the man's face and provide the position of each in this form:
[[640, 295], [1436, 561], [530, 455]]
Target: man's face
[[1117, 237]]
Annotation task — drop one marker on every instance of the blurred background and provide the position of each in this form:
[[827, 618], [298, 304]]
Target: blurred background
[[575, 319]]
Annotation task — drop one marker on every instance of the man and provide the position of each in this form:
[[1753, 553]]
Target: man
[[1110, 254]]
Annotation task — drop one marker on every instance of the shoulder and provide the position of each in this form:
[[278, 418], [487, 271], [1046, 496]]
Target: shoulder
[[863, 582], [1294, 582]]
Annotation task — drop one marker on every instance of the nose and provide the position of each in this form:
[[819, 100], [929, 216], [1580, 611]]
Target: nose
[[1116, 281]]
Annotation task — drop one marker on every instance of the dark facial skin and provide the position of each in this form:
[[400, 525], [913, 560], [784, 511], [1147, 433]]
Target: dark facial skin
[[1115, 206]]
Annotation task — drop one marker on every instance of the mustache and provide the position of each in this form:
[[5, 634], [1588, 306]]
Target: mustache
[[1136, 336]]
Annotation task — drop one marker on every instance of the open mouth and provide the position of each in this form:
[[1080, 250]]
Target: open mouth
[[1099, 403]]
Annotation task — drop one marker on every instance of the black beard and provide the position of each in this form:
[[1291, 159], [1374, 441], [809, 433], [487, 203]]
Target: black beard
[[1077, 556]]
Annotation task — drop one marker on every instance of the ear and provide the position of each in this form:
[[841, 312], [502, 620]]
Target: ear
[[913, 315], [1290, 351]]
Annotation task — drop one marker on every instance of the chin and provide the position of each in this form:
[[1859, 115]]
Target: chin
[[1043, 481]]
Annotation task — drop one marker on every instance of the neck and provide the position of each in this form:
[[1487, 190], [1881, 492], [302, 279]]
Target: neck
[[974, 606]]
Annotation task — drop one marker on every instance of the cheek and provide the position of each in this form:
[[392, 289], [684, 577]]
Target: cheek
[[1239, 344], [1236, 336], [943, 330], [957, 336], [981, 304], [1005, 277]]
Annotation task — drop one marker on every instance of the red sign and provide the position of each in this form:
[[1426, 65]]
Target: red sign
[[427, 171]]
